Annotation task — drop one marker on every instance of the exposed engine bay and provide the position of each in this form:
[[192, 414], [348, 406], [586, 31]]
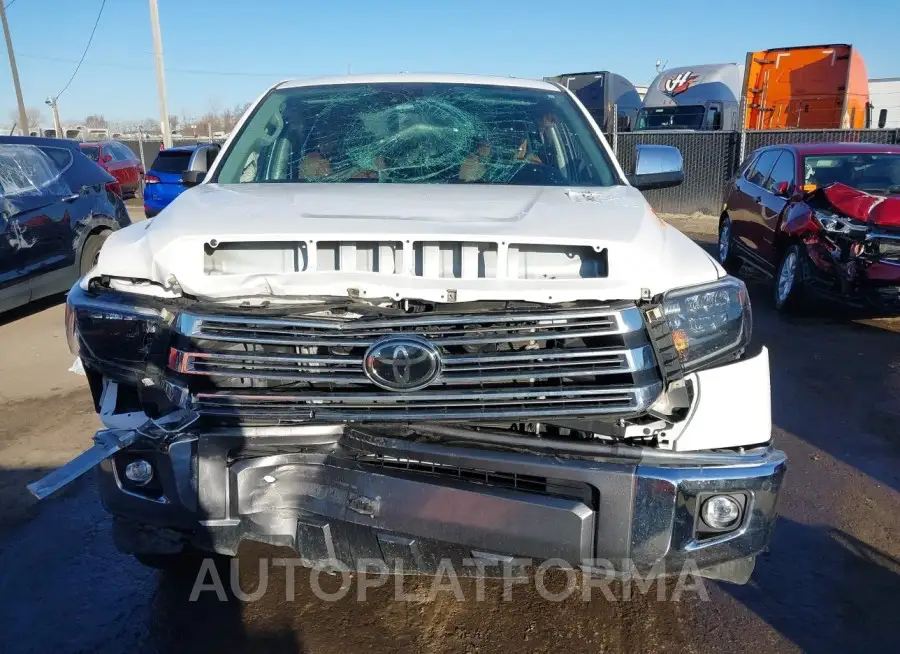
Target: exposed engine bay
[[853, 240]]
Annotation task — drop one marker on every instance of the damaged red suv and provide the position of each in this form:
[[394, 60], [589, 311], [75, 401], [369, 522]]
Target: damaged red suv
[[821, 219]]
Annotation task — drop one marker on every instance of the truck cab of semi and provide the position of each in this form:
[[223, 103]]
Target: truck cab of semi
[[703, 97], [602, 93]]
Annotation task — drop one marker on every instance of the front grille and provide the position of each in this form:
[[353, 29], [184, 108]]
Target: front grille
[[495, 365]]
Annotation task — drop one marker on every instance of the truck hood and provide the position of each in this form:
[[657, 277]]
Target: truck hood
[[285, 241]]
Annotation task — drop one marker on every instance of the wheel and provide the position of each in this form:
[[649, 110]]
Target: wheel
[[730, 262], [790, 278], [91, 251]]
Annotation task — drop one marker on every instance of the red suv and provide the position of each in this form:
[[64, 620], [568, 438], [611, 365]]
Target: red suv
[[120, 162], [820, 219]]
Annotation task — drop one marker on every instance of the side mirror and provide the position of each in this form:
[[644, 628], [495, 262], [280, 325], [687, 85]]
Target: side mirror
[[106, 158], [784, 190], [882, 118], [192, 177], [657, 166], [200, 163]]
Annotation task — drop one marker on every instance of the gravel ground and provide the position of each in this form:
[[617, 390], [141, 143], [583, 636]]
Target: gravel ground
[[831, 581]]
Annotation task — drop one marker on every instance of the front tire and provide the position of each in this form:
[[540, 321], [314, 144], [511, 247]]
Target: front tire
[[790, 279], [727, 258], [91, 251]]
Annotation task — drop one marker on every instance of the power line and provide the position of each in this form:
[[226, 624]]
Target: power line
[[83, 54], [10, 4], [186, 71]]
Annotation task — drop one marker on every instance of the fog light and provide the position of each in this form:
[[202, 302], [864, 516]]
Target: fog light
[[139, 472], [721, 511]]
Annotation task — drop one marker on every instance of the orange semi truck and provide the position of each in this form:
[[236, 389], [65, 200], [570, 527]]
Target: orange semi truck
[[808, 87]]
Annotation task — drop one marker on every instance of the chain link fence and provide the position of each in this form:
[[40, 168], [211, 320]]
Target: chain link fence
[[712, 158]]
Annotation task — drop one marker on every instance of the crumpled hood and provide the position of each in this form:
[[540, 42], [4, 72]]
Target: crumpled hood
[[173, 249], [859, 205]]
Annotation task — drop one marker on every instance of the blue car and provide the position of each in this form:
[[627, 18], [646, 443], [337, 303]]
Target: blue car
[[162, 183]]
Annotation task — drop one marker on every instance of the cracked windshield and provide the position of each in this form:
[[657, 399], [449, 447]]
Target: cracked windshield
[[417, 133]]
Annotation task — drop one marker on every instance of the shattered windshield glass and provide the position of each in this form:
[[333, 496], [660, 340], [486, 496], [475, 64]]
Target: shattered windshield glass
[[26, 171], [872, 173], [417, 133]]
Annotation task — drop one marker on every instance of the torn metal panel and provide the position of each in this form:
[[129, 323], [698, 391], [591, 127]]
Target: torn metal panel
[[106, 443]]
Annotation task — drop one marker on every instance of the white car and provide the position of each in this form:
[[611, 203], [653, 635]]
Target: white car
[[411, 318]]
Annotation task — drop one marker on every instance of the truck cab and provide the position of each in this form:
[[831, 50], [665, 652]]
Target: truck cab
[[602, 92], [693, 98]]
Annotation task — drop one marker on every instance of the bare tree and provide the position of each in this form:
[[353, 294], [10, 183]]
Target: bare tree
[[95, 120], [33, 114], [173, 123], [151, 126]]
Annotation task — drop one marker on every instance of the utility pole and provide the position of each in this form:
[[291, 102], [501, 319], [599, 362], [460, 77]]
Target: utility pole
[[160, 75], [23, 118], [57, 124]]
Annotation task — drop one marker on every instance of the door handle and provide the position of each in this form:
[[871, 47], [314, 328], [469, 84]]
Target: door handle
[[72, 198]]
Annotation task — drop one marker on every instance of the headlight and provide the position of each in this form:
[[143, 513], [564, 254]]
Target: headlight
[[840, 225], [114, 333], [709, 322]]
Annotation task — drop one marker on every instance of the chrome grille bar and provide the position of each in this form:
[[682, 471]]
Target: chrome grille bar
[[435, 406], [458, 369], [496, 364]]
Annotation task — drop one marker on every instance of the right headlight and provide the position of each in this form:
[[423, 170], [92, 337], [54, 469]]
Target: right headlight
[[709, 322]]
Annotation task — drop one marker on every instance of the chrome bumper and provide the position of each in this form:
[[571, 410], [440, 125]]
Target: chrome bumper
[[351, 495]]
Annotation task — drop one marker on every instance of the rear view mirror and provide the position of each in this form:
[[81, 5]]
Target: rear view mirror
[[657, 166], [882, 118], [201, 162]]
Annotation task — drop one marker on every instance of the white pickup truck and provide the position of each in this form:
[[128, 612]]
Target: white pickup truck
[[411, 318]]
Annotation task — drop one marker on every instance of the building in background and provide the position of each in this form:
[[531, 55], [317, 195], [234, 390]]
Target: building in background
[[884, 95]]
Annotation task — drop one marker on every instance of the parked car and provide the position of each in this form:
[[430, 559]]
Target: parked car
[[821, 219], [162, 183], [426, 319], [119, 161], [56, 211]]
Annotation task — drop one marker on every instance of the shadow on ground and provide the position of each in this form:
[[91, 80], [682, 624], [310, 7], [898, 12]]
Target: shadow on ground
[[31, 308], [825, 590]]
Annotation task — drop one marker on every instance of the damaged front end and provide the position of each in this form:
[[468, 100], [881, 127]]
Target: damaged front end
[[853, 241], [413, 431]]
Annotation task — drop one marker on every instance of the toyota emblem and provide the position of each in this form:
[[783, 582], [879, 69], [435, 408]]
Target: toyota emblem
[[402, 363]]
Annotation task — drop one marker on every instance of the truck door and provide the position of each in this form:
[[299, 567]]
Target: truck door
[[713, 119]]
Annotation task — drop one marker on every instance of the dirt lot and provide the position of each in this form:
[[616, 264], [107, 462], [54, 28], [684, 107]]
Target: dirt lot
[[831, 581]]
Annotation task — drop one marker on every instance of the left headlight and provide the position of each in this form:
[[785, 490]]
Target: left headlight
[[709, 322], [114, 333]]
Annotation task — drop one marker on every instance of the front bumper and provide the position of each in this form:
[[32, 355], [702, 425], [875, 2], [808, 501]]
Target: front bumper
[[354, 495]]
